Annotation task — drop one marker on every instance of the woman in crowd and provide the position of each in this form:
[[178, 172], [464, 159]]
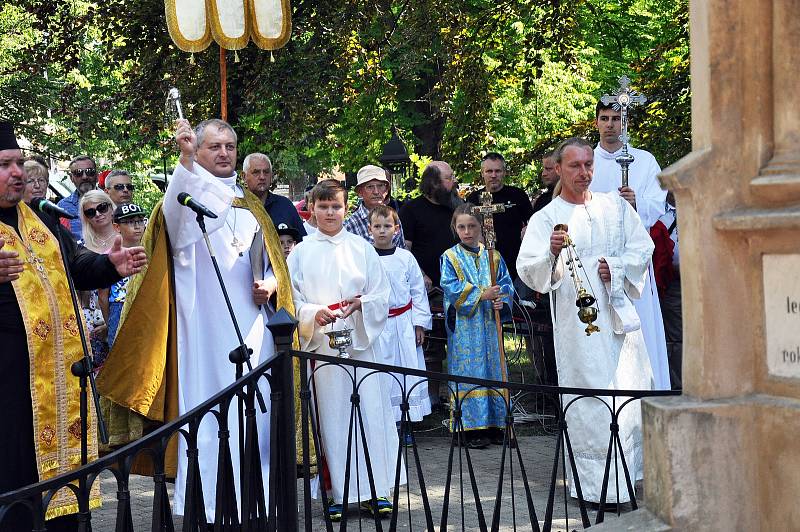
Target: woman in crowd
[[96, 212]]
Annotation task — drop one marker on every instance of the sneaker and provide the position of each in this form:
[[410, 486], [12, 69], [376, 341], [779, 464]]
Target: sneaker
[[384, 506], [334, 511], [406, 439]]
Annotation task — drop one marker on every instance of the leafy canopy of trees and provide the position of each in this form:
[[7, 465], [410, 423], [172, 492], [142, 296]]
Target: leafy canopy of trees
[[457, 77]]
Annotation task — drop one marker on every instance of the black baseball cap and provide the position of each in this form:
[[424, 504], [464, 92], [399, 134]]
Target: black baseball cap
[[284, 229], [127, 211]]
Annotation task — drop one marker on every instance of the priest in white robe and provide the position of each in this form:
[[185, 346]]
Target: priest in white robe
[[648, 198], [615, 251], [328, 268], [256, 278]]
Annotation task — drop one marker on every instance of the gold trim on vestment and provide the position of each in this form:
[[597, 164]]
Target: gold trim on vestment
[[225, 41], [468, 287], [150, 306], [178, 38], [270, 43], [44, 300]]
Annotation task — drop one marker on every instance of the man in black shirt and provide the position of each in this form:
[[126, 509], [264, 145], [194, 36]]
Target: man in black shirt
[[426, 219], [508, 225], [36, 385]]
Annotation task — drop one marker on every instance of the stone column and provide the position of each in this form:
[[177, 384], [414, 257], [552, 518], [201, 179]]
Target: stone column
[[779, 181]]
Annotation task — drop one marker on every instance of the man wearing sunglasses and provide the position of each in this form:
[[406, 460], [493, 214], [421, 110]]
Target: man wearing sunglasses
[[83, 173], [119, 187]]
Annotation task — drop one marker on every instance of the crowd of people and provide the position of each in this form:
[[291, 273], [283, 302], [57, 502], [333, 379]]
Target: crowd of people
[[152, 310]]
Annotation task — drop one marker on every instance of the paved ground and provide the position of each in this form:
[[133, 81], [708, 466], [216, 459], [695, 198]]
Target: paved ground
[[537, 452]]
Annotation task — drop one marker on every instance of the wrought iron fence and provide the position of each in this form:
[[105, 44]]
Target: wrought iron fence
[[512, 497]]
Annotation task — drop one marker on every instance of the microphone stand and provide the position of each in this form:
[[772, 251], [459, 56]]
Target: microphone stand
[[241, 354], [84, 370]]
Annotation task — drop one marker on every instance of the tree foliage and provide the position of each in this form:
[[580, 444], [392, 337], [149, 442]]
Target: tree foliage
[[457, 78]]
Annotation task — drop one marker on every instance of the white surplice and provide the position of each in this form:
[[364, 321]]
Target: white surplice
[[205, 331], [650, 200], [606, 227], [397, 345], [325, 270]]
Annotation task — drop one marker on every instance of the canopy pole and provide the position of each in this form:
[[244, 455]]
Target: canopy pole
[[223, 80]]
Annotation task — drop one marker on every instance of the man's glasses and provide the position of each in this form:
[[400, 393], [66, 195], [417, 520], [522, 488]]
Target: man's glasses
[[94, 211], [79, 172], [135, 223], [119, 187]]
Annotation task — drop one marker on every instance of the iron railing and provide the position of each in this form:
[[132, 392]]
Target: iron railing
[[468, 500]]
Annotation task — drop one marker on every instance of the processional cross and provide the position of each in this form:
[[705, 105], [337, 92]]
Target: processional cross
[[621, 100], [487, 210]]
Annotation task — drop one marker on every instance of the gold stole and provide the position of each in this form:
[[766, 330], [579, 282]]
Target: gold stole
[[54, 343], [141, 372]]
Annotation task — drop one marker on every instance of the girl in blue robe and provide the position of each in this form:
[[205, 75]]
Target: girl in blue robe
[[472, 347]]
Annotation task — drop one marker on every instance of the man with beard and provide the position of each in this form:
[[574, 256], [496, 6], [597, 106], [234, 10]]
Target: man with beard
[[39, 332], [258, 176], [426, 219], [83, 173], [426, 225]]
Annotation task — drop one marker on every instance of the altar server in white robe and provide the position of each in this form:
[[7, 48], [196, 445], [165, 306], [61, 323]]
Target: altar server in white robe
[[648, 198], [205, 331], [615, 250], [339, 283], [409, 317]]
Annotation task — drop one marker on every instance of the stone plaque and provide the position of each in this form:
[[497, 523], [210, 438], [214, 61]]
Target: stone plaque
[[782, 309]]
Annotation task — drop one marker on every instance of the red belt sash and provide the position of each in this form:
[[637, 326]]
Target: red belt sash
[[393, 312], [338, 305]]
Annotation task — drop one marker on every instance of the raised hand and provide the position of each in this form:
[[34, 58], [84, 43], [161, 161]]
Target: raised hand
[[127, 261], [186, 140]]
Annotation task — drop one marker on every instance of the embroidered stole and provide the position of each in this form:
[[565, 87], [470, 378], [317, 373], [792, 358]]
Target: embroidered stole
[[54, 343]]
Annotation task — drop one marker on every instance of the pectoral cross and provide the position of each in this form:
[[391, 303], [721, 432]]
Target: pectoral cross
[[621, 100], [35, 260]]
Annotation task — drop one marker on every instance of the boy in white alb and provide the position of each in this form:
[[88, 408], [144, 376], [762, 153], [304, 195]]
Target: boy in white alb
[[409, 317], [338, 282]]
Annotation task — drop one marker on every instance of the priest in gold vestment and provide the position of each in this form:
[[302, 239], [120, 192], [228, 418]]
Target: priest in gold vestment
[[39, 341], [182, 360]]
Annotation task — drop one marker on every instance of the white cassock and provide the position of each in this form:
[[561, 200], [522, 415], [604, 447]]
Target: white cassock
[[613, 358], [397, 345], [325, 270], [650, 200], [205, 331]]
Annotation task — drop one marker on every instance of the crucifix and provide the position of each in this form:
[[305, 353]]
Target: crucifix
[[487, 210], [621, 100]]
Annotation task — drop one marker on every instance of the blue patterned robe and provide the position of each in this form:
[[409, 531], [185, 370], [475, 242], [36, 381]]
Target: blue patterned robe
[[472, 348]]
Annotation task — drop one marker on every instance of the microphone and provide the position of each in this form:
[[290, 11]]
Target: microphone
[[187, 201], [42, 205]]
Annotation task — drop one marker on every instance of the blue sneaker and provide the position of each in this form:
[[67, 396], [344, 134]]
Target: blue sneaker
[[334, 511], [381, 504]]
